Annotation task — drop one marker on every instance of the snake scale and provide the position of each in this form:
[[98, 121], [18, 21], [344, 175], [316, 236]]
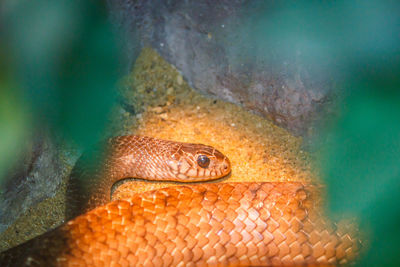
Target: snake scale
[[217, 224]]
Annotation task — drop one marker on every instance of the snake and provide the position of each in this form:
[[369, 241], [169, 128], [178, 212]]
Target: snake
[[202, 224]]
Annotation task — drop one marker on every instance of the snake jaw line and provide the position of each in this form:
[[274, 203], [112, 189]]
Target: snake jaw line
[[181, 176]]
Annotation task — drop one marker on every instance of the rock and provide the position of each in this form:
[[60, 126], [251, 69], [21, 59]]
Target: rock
[[202, 39], [157, 110], [164, 116], [36, 177]]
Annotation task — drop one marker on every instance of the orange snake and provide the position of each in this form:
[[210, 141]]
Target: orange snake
[[219, 224]]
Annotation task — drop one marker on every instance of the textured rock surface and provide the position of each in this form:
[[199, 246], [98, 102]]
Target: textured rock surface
[[37, 176], [202, 39]]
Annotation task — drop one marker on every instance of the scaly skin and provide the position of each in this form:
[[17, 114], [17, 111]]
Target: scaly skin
[[139, 157], [235, 224]]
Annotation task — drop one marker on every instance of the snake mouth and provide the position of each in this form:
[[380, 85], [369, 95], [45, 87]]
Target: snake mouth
[[180, 177]]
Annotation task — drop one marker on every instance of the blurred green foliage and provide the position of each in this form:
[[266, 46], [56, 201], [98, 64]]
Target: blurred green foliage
[[14, 120], [361, 160], [357, 45], [59, 67]]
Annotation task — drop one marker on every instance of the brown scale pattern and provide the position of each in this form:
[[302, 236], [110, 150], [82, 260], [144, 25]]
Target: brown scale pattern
[[143, 157], [235, 224]]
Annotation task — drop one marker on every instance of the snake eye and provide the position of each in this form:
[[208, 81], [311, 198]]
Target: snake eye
[[203, 161]]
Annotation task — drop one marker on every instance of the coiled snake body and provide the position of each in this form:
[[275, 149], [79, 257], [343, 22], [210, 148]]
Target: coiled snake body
[[218, 224]]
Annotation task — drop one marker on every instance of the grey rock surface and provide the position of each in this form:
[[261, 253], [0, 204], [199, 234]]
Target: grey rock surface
[[213, 46], [36, 176]]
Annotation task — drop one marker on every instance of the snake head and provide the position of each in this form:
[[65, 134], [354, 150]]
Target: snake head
[[197, 162]]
